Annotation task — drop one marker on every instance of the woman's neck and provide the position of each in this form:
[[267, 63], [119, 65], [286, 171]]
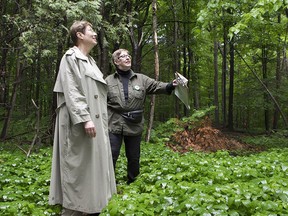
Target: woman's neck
[[84, 49]]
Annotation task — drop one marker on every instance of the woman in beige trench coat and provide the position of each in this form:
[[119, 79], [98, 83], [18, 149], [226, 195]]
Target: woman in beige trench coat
[[82, 176]]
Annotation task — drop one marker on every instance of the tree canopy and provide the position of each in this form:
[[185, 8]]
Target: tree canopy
[[220, 46]]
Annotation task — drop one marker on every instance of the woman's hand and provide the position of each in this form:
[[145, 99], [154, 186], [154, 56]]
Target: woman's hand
[[90, 128], [175, 82]]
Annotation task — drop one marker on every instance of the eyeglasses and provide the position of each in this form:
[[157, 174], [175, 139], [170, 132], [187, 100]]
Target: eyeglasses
[[124, 56]]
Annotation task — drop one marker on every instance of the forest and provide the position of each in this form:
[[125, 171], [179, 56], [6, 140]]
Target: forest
[[234, 55], [232, 52]]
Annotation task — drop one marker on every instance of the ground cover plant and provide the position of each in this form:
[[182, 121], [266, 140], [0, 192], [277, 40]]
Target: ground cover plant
[[171, 182], [202, 173], [24, 183], [205, 184]]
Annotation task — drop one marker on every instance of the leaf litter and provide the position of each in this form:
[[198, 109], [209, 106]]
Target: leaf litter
[[204, 138]]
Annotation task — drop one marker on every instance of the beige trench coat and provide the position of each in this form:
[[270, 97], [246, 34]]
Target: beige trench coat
[[82, 176]]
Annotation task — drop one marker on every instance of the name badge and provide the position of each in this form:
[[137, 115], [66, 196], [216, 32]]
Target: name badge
[[136, 87]]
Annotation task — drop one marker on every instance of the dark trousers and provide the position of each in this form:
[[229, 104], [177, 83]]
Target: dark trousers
[[132, 151]]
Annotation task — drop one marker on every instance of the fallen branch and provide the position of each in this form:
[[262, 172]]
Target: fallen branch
[[36, 136]]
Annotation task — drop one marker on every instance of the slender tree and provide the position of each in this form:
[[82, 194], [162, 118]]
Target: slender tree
[[216, 77], [175, 53], [156, 69], [278, 74], [224, 73], [231, 85], [19, 71]]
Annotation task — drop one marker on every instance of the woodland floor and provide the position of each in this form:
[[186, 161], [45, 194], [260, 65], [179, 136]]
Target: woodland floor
[[205, 138]]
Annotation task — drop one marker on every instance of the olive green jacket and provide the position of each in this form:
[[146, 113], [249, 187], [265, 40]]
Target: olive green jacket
[[138, 87]]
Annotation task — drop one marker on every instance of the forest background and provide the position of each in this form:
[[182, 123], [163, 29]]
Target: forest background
[[232, 52]]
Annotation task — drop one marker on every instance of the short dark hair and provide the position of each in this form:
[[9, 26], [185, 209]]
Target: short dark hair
[[78, 26]]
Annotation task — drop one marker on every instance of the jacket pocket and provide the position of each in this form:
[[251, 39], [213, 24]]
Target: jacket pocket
[[113, 92], [139, 94]]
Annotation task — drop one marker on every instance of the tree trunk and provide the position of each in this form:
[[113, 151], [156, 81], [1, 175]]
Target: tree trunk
[[102, 57], [60, 47], [266, 97], [3, 76], [38, 81], [184, 57], [267, 90], [176, 65], [137, 42], [189, 59], [4, 35], [216, 99], [195, 81], [155, 40], [231, 86], [195, 89], [224, 71], [12, 100], [276, 114]]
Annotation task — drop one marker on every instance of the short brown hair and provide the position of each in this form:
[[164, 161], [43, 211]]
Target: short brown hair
[[78, 26], [117, 53]]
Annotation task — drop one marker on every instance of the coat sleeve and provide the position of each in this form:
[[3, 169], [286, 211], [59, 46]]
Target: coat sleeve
[[73, 89], [154, 87]]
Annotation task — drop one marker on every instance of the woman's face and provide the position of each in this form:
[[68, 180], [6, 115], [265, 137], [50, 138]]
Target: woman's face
[[89, 36], [124, 61]]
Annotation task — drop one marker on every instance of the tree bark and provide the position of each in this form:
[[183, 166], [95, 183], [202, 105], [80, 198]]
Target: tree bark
[[175, 63], [188, 57], [5, 35], [216, 93], [12, 100], [265, 77], [267, 90], [137, 41], [38, 81], [156, 68], [60, 47], [231, 86], [276, 114], [102, 57], [224, 72]]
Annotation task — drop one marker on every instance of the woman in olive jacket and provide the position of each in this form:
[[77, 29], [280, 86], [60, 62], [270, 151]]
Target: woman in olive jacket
[[126, 96]]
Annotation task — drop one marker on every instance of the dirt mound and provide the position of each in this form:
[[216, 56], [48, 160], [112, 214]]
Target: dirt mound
[[205, 138]]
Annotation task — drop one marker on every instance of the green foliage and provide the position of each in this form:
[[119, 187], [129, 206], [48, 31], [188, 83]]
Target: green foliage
[[22, 132], [35, 33], [24, 184], [198, 115], [169, 183], [205, 184], [49, 20], [163, 131], [272, 141]]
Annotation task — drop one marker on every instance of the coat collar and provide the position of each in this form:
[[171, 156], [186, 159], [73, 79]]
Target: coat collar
[[79, 54]]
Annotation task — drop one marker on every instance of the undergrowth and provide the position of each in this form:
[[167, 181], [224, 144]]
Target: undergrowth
[[169, 183]]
